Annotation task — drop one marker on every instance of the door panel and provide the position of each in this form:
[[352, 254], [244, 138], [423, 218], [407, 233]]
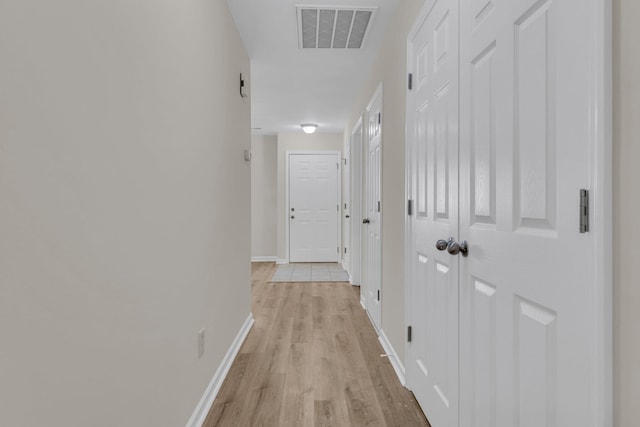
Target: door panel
[[373, 209], [356, 208], [524, 156], [432, 368], [313, 201], [522, 305], [347, 212]]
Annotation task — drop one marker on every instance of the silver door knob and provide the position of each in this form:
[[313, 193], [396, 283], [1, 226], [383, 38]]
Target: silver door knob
[[292, 217], [442, 245], [347, 216], [455, 248], [366, 221]]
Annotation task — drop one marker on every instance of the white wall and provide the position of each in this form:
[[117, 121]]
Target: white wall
[[626, 205], [390, 68], [298, 141], [124, 208], [264, 168]]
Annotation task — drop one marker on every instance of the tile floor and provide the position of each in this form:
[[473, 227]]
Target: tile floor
[[310, 272]]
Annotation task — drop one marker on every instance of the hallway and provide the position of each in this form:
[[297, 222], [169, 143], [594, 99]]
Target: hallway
[[311, 359]]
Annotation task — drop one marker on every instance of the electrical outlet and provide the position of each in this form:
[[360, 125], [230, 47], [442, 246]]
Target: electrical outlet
[[201, 343]]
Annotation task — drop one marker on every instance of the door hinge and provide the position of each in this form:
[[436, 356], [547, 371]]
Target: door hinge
[[408, 333], [584, 211], [378, 294], [345, 206], [345, 161], [409, 207], [337, 208], [337, 166], [379, 118], [410, 83], [378, 205], [345, 250], [338, 250]]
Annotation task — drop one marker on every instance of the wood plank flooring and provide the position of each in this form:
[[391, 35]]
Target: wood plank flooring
[[312, 359]]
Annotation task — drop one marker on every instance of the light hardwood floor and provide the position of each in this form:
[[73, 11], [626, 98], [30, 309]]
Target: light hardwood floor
[[312, 359]]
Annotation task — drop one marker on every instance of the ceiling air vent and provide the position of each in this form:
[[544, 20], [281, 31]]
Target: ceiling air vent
[[333, 28]]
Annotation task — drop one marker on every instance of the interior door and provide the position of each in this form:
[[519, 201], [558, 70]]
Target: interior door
[[356, 207], [530, 319], [313, 207], [432, 367], [346, 220], [527, 289], [374, 208]]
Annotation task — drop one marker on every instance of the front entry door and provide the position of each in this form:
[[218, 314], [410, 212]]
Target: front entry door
[[519, 316], [313, 207], [433, 116]]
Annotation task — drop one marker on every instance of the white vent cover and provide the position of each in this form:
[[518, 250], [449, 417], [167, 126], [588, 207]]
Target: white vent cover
[[330, 27]]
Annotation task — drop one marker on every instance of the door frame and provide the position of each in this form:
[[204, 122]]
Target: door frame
[[601, 206], [287, 207], [355, 181]]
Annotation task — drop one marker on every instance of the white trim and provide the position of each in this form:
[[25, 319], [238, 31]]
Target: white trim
[[408, 191], [282, 261], [204, 406], [393, 356], [362, 301], [601, 181], [264, 259], [287, 207]]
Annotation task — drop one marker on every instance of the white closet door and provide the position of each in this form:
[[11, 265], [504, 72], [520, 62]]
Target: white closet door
[[527, 292], [432, 367]]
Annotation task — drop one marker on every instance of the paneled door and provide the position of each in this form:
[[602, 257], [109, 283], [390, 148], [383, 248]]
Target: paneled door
[[528, 311], [347, 210], [506, 284], [355, 269], [432, 366], [313, 207], [372, 221]]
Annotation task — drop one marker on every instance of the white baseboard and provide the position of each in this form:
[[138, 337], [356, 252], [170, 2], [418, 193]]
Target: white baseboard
[[264, 258], [202, 410], [282, 261], [364, 307], [393, 356]]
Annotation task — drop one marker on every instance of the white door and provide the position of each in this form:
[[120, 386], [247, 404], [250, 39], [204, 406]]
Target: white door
[[356, 207], [373, 208], [528, 311], [346, 213], [432, 367], [313, 207], [530, 319]]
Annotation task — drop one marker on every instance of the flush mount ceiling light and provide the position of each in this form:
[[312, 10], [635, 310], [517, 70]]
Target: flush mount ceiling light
[[309, 127]]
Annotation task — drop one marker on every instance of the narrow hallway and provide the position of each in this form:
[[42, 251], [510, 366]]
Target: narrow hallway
[[311, 359]]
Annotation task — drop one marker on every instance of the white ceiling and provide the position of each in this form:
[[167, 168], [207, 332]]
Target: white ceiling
[[290, 86]]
